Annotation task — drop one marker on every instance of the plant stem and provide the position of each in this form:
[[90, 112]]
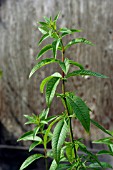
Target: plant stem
[[63, 91]]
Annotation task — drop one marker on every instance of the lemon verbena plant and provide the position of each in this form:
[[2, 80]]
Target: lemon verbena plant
[[65, 147]]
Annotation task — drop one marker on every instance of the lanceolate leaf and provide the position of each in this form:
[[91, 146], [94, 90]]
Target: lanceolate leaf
[[53, 165], [51, 88], [44, 50], [55, 45], [80, 109], [76, 64], [41, 64], [78, 40], [105, 152], [48, 131], [100, 127], [43, 30], [58, 138], [43, 83], [29, 136], [56, 17], [106, 140], [85, 72], [33, 145], [30, 159], [66, 31], [64, 65], [43, 38]]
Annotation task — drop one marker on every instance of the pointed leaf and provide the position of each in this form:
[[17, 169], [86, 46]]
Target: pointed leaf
[[56, 17], [64, 65], [53, 165], [105, 152], [35, 131], [80, 109], [41, 64], [85, 72], [29, 160], [66, 31], [48, 131], [58, 138], [43, 38], [106, 140], [44, 50], [33, 145], [43, 83], [43, 115], [29, 136], [78, 40], [43, 30], [47, 19], [55, 45], [76, 64], [100, 127], [51, 88]]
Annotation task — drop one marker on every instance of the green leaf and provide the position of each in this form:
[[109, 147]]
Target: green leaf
[[56, 17], [96, 165], [58, 138], [35, 131], [43, 30], [48, 131], [110, 148], [43, 38], [41, 64], [99, 126], [43, 83], [102, 152], [44, 50], [29, 160], [43, 115], [78, 40], [80, 109], [107, 141], [53, 165], [51, 88], [29, 136], [55, 45], [85, 72], [64, 65], [43, 24], [70, 152], [1, 73], [66, 31], [33, 145], [47, 19], [76, 64]]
